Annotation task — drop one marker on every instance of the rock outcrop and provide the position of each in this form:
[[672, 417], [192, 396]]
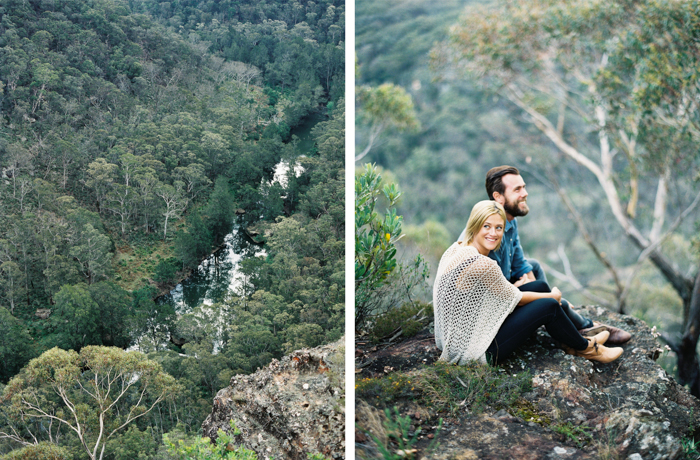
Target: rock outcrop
[[290, 409], [578, 409]]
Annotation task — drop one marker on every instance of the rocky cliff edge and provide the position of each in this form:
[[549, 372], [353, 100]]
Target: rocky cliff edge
[[292, 408], [576, 409]]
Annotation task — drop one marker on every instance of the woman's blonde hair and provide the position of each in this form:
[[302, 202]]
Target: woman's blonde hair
[[480, 212]]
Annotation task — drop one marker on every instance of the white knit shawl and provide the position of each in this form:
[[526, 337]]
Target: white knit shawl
[[471, 299]]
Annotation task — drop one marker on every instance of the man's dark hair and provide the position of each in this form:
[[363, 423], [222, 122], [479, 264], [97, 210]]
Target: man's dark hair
[[494, 179]]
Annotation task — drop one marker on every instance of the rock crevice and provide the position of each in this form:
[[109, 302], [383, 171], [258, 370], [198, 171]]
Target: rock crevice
[[290, 409]]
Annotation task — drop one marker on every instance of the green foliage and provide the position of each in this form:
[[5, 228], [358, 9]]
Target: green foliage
[[16, 347], [133, 444], [121, 118], [115, 310], [203, 449], [315, 456], [386, 106], [94, 393], [400, 440], [75, 318], [397, 429], [448, 388], [220, 210], [375, 237], [166, 271], [691, 449], [411, 318], [151, 321], [41, 451], [528, 412], [576, 433]]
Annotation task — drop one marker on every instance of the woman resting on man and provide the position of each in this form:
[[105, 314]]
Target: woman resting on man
[[480, 315]]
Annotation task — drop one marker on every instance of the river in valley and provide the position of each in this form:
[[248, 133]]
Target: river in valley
[[218, 275]]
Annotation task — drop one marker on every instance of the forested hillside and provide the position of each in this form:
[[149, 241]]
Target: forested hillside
[[133, 137], [610, 229]]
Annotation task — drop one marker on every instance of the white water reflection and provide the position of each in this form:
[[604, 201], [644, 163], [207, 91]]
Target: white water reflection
[[282, 169], [215, 277]]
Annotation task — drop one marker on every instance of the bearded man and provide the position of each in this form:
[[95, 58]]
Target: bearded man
[[505, 185]]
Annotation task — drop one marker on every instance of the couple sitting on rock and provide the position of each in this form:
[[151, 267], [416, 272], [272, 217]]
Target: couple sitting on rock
[[489, 299]]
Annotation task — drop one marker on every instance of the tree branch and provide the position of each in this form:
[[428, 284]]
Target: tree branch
[[651, 250], [577, 285], [681, 283], [660, 205], [629, 146], [584, 231]]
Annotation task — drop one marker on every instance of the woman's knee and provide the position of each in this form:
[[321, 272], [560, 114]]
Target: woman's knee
[[546, 307]]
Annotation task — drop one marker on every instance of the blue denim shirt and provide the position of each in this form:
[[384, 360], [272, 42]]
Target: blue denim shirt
[[510, 255]]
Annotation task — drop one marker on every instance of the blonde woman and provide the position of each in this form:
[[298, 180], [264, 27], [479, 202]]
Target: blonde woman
[[480, 315]]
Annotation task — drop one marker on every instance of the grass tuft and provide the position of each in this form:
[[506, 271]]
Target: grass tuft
[[448, 388]]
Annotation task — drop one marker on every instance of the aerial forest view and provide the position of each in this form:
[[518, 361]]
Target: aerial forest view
[[171, 215], [596, 104]]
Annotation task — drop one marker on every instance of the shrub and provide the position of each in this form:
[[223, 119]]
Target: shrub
[[202, 449], [41, 451], [408, 319], [381, 282], [166, 270]]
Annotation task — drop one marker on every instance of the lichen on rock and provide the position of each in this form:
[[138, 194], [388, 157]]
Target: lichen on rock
[[290, 409]]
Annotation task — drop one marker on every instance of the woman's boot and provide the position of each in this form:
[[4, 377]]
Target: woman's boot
[[596, 351]]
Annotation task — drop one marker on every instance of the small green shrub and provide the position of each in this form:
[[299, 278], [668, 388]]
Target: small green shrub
[[165, 271], [577, 434], [375, 238], [410, 317], [527, 411], [41, 451], [387, 390], [690, 449], [401, 442], [315, 456], [198, 448]]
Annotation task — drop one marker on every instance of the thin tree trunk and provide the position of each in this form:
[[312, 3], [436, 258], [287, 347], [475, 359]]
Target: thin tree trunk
[[688, 365]]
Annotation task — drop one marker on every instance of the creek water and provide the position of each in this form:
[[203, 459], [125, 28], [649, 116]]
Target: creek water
[[218, 274]]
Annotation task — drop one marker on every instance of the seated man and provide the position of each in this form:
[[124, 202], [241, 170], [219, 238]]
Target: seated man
[[505, 185]]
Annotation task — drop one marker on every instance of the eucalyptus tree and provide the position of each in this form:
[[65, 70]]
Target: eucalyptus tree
[[380, 108], [174, 201], [91, 248], [93, 394], [101, 179], [613, 86]]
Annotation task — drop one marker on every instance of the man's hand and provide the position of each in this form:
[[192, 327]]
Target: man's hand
[[522, 280]]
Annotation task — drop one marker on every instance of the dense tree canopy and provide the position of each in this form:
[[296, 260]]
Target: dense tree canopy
[[134, 136]]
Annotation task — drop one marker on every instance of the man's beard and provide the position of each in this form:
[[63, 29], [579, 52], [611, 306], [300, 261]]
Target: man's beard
[[514, 210]]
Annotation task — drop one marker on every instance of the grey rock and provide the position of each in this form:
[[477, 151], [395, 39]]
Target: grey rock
[[631, 408], [291, 408]]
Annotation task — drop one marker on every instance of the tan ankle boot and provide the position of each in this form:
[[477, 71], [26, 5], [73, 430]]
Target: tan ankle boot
[[601, 337], [596, 351]]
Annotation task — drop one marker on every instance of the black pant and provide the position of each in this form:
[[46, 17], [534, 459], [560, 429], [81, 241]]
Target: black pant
[[525, 320], [579, 321]]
